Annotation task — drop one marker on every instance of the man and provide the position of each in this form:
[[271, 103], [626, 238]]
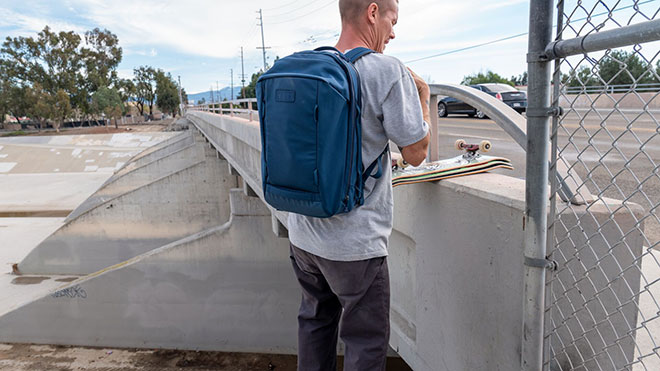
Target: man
[[340, 262]]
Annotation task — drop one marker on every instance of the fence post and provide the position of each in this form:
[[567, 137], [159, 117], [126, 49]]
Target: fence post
[[536, 183], [434, 154]]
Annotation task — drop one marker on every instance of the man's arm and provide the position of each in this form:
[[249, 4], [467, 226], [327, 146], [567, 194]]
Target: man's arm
[[415, 153]]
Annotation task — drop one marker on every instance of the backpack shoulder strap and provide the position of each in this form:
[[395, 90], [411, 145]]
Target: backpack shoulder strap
[[377, 162], [357, 53], [326, 48]]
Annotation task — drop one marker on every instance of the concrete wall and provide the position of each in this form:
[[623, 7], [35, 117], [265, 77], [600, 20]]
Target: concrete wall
[[622, 100], [456, 265], [596, 289], [456, 258], [157, 152], [140, 219], [133, 177], [228, 288]]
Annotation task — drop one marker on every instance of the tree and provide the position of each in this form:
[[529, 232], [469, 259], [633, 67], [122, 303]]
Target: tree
[[101, 55], [52, 60], [59, 61], [108, 102], [622, 68], [520, 80], [250, 90], [40, 105], [4, 96], [483, 78], [61, 108], [17, 105], [184, 96], [145, 88], [583, 76], [167, 93], [202, 101], [127, 92]]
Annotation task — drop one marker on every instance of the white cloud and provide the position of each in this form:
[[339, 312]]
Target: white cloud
[[28, 25], [503, 4], [214, 31]]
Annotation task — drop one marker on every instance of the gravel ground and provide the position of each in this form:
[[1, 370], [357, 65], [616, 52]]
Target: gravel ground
[[21, 357]]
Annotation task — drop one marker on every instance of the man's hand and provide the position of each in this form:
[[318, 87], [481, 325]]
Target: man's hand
[[424, 95]]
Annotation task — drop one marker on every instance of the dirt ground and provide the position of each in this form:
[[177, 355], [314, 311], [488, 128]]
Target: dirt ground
[[21, 357], [143, 127]]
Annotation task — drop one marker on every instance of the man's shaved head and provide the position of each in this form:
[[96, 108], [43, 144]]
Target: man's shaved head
[[350, 10]]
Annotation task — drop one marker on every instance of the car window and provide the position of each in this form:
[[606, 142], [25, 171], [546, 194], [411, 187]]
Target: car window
[[476, 87], [499, 88]]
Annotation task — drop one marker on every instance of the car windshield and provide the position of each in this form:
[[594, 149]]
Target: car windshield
[[500, 88]]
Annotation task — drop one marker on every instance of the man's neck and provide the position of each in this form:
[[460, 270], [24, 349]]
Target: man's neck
[[351, 40]]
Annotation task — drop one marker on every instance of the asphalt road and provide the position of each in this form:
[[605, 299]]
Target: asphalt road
[[616, 155]]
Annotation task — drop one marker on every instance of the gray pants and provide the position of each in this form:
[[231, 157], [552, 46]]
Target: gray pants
[[362, 290]]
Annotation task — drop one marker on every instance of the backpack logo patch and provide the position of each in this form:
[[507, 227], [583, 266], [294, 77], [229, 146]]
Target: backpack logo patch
[[285, 95]]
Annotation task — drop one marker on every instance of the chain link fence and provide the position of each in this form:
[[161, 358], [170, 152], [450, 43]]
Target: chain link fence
[[602, 305]]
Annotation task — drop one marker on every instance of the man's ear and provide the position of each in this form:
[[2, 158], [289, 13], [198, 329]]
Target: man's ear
[[372, 10]]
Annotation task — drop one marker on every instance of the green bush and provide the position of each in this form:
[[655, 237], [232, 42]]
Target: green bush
[[14, 133]]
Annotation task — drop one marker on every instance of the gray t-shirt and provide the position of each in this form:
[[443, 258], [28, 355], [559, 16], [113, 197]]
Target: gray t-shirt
[[390, 111]]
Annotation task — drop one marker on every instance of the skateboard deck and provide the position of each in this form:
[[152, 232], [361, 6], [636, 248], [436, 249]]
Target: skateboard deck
[[469, 163]]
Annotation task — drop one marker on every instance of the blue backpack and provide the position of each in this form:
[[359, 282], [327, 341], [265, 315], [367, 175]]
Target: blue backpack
[[311, 135]]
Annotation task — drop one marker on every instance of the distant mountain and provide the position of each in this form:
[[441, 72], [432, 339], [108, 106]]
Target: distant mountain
[[223, 94]]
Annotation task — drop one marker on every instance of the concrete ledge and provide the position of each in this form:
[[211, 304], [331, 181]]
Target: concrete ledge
[[150, 216], [150, 154], [129, 180]]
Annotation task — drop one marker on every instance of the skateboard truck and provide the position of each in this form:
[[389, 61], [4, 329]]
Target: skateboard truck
[[471, 149]]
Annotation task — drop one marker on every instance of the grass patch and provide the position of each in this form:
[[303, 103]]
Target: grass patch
[[14, 133]]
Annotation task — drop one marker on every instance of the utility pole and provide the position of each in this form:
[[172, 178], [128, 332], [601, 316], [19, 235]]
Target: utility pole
[[181, 105], [232, 84], [217, 90], [212, 99], [242, 72], [263, 44]]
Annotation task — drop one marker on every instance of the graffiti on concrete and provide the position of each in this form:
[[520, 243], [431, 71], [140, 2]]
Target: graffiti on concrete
[[71, 293]]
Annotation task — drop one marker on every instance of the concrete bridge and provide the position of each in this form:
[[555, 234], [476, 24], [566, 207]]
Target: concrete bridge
[[178, 250]]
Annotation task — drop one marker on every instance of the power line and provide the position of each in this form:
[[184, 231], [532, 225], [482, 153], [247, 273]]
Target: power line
[[294, 10], [282, 6], [306, 14], [524, 33], [467, 48]]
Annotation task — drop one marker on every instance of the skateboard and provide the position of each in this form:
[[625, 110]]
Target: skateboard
[[471, 162]]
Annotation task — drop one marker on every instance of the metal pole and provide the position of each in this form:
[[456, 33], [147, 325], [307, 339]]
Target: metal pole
[[638, 33], [263, 43], [242, 73], [434, 154], [536, 189], [180, 98], [554, 185]]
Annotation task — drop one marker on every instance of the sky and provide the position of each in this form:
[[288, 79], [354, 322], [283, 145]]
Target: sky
[[201, 40]]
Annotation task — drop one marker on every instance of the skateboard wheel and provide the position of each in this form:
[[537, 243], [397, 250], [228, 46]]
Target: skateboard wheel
[[460, 144], [401, 163], [485, 146]]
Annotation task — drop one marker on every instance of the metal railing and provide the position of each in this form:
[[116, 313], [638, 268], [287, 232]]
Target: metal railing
[[246, 108], [612, 89], [592, 289]]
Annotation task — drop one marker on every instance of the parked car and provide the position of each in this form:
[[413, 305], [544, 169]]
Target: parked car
[[513, 97]]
